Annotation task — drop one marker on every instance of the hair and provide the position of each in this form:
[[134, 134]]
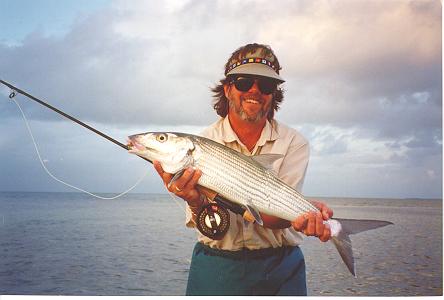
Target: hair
[[221, 102]]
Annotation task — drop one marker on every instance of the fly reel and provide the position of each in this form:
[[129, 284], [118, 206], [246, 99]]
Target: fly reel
[[213, 221]]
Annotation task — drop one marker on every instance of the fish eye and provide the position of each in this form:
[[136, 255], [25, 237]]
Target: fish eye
[[161, 138]]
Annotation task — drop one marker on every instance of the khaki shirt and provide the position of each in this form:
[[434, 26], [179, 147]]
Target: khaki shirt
[[276, 138]]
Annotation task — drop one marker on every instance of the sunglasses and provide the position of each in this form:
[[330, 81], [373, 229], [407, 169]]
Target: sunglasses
[[244, 84]]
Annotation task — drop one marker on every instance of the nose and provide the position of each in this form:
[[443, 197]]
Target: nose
[[254, 87]]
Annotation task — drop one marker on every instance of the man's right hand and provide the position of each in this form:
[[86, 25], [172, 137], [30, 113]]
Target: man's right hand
[[185, 186]]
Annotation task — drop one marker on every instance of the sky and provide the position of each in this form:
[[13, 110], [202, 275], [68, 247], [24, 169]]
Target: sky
[[363, 85]]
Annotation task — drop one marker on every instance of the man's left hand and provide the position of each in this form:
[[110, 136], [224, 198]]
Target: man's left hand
[[312, 223]]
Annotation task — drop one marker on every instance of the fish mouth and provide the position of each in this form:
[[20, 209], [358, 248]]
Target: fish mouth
[[134, 146]]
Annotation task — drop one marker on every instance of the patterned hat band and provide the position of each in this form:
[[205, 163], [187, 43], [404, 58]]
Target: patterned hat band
[[257, 60]]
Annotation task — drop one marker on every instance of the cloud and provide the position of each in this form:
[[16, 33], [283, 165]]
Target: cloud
[[370, 65], [364, 80], [345, 162], [119, 64]]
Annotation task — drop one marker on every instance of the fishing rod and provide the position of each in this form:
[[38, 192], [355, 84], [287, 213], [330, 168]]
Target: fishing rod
[[15, 90], [216, 231]]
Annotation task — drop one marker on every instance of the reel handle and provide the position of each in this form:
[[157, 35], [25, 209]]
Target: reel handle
[[213, 196]]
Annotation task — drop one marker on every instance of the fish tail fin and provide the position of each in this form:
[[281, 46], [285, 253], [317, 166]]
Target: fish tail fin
[[341, 231]]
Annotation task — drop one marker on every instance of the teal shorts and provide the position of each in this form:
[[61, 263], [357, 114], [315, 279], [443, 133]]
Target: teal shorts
[[271, 271]]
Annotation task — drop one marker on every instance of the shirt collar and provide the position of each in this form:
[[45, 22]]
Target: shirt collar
[[269, 133]]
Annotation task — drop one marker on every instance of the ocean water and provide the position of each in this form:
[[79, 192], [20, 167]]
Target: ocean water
[[73, 244]]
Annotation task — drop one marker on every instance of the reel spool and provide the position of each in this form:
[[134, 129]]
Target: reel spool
[[213, 221]]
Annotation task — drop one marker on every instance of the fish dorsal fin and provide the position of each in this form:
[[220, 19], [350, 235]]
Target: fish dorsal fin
[[266, 160], [255, 213]]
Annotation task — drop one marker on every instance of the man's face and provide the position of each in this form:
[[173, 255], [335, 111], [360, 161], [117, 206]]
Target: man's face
[[251, 105]]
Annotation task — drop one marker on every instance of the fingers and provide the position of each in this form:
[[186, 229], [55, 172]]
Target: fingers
[[184, 186], [191, 184], [310, 230], [166, 177], [158, 167], [300, 223], [312, 224], [326, 235], [319, 221], [187, 181], [326, 212]]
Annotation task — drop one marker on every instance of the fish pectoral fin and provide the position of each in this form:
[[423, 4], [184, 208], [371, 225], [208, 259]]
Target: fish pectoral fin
[[176, 176], [267, 160], [254, 212]]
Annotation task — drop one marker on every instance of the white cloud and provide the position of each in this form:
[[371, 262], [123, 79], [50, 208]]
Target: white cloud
[[363, 78], [334, 37], [431, 174]]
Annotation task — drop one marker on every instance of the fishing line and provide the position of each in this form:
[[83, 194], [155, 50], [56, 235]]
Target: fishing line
[[59, 180], [174, 197], [15, 91]]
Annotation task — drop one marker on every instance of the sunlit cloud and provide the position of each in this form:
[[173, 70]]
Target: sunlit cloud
[[363, 80]]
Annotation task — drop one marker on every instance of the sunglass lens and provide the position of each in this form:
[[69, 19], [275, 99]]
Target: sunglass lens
[[244, 84], [267, 86]]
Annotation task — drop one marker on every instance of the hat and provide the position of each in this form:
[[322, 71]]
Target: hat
[[258, 62]]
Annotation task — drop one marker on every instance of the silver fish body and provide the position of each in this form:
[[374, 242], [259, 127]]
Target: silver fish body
[[243, 180]]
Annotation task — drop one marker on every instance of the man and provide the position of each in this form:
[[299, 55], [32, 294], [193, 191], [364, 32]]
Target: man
[[252, 259]]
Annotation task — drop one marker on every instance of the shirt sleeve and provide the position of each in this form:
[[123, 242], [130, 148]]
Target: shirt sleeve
[[294, 165]]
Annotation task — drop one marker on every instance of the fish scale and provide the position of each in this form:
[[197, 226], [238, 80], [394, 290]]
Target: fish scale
[[242, 180], [260, 187]]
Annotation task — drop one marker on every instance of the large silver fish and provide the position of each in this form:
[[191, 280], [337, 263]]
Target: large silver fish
[[247, 181]]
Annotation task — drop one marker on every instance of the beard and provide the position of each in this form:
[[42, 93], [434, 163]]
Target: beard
[[244, 116]]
